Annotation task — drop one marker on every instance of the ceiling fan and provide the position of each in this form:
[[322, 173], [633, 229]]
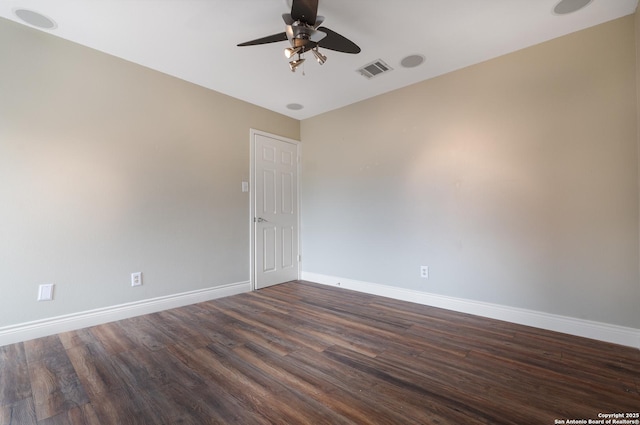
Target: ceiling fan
[[305, 33]]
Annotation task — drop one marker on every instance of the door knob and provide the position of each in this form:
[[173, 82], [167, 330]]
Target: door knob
[[260, 220]]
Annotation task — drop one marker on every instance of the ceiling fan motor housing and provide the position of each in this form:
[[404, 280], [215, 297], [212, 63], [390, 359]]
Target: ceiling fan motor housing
[[299, 42]]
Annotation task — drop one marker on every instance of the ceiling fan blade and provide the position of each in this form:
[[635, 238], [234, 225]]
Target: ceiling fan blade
[[337, 42], [287, 18], [305, 11], [264, 40], [319, 21]]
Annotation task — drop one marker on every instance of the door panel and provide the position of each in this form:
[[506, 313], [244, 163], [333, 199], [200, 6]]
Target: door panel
[[269, 194], [288, 260], [288, 196], [276, 210], [269, 247]]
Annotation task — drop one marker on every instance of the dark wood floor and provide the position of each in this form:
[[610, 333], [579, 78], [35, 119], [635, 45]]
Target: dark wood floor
[[300, 353]]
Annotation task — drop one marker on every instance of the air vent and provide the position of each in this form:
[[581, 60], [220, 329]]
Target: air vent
[[374, 69]]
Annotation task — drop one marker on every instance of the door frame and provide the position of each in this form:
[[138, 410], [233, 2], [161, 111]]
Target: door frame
[[252, 199]]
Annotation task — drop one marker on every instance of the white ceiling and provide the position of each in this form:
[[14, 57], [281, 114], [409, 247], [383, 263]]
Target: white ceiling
[[195, 40]]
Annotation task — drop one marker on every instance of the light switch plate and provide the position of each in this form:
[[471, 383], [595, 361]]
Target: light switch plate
[[45, 292]]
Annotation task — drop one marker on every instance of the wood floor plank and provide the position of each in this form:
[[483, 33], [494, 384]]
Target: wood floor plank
[[560, 395], [180, 327], [22, 412], [301, 353], [315, 384], [55, 385], [251, 328], [95, 369], [15, 384], [442, 399], [38, 349], [286, 323], [77, 338], [299, 408], [212, 365], [146, 369], [79, 415], [383, 402], [350, 398], [211, 322], [205, 405], [113, 338], [125, 406], [465, 379], [142, 331], [350, 331]]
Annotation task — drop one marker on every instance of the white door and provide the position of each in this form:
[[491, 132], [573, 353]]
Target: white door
[[275, 218]]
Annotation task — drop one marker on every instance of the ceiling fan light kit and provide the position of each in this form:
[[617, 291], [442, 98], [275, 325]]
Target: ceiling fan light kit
[[319, 56], [305, 33], [290, 51], [296, 63]]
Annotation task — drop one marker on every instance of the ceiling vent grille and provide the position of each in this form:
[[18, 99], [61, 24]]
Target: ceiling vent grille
[[375, 68]]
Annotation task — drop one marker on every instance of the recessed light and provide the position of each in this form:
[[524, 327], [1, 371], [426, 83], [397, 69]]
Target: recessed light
[[35, 19], [295, 106], [565, 7], [412, 61]]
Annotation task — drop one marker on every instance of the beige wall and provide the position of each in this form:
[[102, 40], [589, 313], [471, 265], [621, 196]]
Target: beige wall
[[109, 168], [515, 181]]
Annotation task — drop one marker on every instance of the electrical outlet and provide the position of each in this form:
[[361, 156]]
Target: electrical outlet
[[424, 272], [45, 292], [136, 279]]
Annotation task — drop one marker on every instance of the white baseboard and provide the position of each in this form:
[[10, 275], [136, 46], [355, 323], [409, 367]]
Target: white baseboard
[[569, 325], [40, 328]]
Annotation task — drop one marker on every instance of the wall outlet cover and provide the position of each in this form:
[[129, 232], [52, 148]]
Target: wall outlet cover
[[424, 272], [45, 292]]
